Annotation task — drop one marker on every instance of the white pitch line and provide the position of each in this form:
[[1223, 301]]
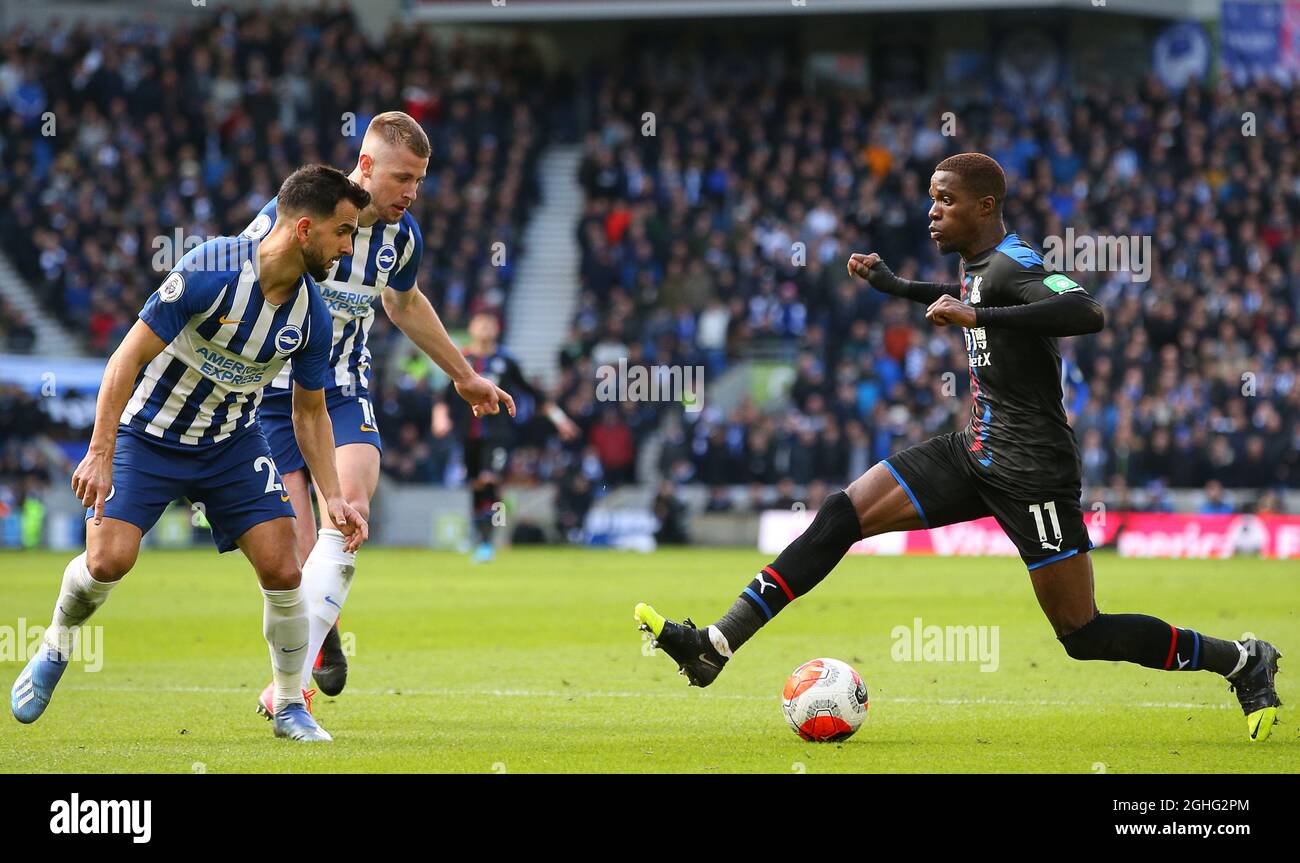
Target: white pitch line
[[535, 693]]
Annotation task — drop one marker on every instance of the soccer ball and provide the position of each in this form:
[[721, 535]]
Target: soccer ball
[[824, 700]]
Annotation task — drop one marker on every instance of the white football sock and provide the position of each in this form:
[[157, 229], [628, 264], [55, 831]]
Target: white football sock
[[79, 596], [284, 623], [326, 580], [719, 641]]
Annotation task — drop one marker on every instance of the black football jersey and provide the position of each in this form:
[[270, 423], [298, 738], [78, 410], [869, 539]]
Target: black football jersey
[[1018, 436], [501, 369]]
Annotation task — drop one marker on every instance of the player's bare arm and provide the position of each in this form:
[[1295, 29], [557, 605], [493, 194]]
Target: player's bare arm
[[93, 478], [415, 316], [315, 433]]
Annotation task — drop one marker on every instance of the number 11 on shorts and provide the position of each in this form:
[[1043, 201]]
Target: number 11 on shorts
[[1037, 511], [368, 423]]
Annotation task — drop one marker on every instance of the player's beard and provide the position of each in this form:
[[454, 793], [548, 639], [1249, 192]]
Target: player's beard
[[318, 265], [947, 245]]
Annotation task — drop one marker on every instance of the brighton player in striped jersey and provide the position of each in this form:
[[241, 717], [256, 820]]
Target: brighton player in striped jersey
[[386, 256], [177, 417]]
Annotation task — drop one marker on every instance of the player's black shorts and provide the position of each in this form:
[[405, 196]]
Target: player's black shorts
[[946, 488], [485, 454]]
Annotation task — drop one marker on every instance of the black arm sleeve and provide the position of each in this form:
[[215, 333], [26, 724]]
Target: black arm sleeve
[[1069, 314], [883, 279]]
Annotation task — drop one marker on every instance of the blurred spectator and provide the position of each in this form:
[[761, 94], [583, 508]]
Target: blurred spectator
[[611, 440], [1216, 501], [671, 515]]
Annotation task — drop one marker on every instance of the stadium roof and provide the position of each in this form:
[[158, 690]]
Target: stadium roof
[[537, 10]]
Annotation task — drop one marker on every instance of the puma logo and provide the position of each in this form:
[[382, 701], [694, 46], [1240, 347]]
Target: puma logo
[[763, 585], [1181, 662], [1048, 546]]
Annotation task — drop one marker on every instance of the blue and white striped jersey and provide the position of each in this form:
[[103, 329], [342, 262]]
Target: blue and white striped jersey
[[224, 344], [383, 256]]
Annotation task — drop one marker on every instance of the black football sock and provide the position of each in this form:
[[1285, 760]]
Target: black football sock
[[1150, 642], [797, 570]]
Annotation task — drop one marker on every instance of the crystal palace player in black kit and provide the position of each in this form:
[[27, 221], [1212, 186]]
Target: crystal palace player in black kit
[[1016, 460], [487, 439]]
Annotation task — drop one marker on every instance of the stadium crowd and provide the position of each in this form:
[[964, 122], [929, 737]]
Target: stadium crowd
[[720, 237], [28, 464], [125, 147], [723, 236]]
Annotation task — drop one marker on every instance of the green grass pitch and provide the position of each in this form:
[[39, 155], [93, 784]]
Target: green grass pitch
[[533, 664]]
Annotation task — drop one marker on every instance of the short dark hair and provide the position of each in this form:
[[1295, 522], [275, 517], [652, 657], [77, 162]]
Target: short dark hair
[[981, 174], [402, 130], [317, 189]]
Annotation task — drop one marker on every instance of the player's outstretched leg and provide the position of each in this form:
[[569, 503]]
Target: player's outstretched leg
[[1065, 591], [34, 687], [874, 503], [1255, 690], [696, 654], [79, 595]]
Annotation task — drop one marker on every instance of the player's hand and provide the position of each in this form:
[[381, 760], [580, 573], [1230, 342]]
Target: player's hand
[[484, 397], [92, 481], [950, 310], [349, 522], [860, 264], [873, 271]]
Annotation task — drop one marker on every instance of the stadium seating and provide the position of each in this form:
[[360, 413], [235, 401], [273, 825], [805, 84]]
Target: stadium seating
[[719, 239], [723, 236]]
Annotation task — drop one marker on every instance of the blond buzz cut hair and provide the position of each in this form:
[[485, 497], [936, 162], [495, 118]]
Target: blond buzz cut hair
[[401, 130]]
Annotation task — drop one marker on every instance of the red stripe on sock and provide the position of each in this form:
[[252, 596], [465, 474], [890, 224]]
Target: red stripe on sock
[[781, 581], [1173, 642]]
